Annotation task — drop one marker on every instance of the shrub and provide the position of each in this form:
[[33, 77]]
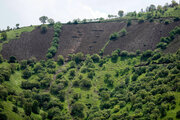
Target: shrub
[[72, 73], [134, 77], [5, 74], [95, 58], [114, 56], [35, 107], [161, 45], [23, 64], [12, 59], [140, 21], [43, 28], [123, 32], [49, 55], [52, 50], [156, 56], [166, 22], [1, 59], [26, 73], [15, 109], [91, 75], [129, 22], [61, 95], [146, 54], [4, 36], [178, 114], [176, 19], [163, 73], [78, 57], [85, 84], [60, 60], [77, 110], [28, 108], [114, 36], [124, 53]]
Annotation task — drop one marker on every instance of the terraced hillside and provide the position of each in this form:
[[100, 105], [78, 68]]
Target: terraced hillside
[[89, 39]]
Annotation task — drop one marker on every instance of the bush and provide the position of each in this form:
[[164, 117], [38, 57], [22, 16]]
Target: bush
[[95, 58], [52, 50], [114, 36], [85, 84], [12, 59], [163, 73], [1, 59], [124, 53], [176, 19], [140, 21], [78, 57], [4, 36], [60, 60], [77, 110], [114, 56], [129, 22], [15, 109], [178, 114], [26, 73], [161, 45], [146, 54], [166, 22], [134, 77], [156, 56], [49, 55], [123, 32], [43, 28]]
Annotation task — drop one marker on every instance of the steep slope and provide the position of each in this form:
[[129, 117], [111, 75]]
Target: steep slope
[[88, 38], [141, 37], [30, 44]]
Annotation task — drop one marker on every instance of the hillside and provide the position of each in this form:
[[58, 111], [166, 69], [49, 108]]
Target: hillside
[[123, 68], [89, 39]]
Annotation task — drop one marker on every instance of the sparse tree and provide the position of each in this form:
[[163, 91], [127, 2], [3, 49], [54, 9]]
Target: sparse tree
[[50, 21], [121, 13], [174, 3], [4, 35], [8, 28], [17, 26], [60, 60], [43, 19], [152, 7]]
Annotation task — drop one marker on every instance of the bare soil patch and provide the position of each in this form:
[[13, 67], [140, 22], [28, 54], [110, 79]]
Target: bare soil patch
[[30, 44], [141, 37]]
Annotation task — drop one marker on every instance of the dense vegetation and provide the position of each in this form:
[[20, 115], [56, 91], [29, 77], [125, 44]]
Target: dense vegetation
[[120, 86]]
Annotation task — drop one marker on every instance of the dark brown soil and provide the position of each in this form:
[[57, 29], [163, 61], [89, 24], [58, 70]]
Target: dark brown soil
[[141, 37], [86, 38], [89, 39], [30, 44]]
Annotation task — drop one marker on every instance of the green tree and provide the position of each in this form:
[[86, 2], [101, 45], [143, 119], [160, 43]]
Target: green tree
[[178, 114], [35, 107], [43, 19], [26, 73], [1, 59], [77, 110], [28, 108], [123, 32], [50, 21], [120, 13], [17, 26], [4, 36], [60, 60], [43, 28], [12, 59]]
